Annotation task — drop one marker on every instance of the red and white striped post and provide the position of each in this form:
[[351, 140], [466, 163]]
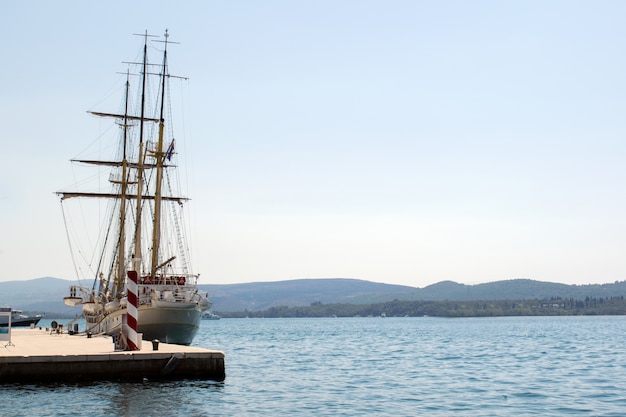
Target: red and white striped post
[[133, 302]]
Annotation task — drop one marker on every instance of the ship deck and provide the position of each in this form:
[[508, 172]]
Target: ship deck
[[37, 355]]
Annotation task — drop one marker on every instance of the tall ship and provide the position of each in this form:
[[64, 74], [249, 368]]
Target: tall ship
[[140, 216]]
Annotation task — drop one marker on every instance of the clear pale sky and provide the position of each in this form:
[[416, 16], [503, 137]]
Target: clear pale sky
[[404, 142]]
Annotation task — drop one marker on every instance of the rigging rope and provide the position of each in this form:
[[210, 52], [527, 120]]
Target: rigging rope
[[69, 242]]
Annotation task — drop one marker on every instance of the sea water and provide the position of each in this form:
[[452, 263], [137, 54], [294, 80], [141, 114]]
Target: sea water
[[513, 366]]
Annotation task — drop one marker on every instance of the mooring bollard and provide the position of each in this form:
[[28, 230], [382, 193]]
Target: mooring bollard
[[155, 344]]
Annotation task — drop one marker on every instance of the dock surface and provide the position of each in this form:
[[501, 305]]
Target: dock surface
[[42, 355]]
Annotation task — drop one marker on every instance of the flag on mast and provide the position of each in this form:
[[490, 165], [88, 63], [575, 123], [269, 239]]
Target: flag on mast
[[170, 151]]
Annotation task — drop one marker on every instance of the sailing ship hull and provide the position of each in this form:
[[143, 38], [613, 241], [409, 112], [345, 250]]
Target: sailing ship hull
[[168, 325], [180, 326]]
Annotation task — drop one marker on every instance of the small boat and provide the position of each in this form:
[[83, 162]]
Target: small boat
[[209, 315], [18, 318], [142, 230]]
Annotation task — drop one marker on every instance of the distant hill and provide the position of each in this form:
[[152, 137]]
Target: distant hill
[[263, 295], [45, 295], [41, 295], [257, 296], [515, 289]]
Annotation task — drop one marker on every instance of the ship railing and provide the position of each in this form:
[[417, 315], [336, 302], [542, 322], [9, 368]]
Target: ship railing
[[171, 280]]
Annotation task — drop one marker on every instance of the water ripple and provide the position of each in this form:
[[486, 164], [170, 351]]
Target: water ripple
[[372, 366]]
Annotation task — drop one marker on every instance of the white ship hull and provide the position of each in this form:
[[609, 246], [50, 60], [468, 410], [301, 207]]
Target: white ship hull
[[168, 325]]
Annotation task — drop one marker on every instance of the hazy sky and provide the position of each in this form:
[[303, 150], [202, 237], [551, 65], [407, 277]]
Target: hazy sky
[[404, 142]]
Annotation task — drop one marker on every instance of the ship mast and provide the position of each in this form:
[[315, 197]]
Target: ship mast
[[140, 160], [121, 256], [159, 156]]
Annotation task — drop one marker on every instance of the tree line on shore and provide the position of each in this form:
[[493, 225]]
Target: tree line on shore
[[555, 306]]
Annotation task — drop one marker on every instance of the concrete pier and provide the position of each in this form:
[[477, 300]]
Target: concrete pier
[[36, 355]]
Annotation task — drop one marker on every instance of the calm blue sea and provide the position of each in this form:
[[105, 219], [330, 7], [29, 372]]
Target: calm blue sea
[[520, 366]]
